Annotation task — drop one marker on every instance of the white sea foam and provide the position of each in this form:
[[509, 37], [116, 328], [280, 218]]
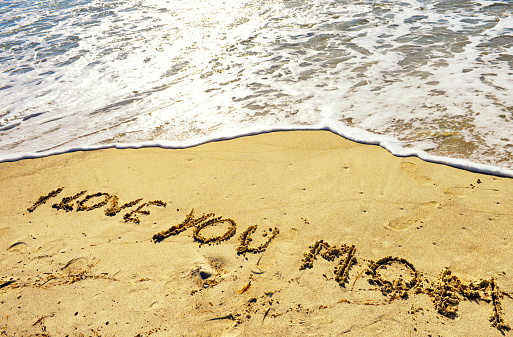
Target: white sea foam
[[424, 78]]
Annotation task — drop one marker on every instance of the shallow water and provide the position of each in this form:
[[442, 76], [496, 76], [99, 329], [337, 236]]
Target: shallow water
[[433, 77]]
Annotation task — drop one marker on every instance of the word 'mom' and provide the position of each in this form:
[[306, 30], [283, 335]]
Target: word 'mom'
[[446, 293]]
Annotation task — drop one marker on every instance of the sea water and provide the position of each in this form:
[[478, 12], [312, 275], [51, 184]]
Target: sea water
[[432, 78]]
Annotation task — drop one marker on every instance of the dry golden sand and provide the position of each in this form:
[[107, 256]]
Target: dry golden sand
[[85, 273]]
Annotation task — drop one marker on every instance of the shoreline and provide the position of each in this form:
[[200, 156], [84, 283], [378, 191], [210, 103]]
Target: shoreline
[[71, 272], [348, 133]]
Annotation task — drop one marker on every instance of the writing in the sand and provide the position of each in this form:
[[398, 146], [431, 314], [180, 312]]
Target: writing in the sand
[[97, 200], [445, 293], [85, 202]]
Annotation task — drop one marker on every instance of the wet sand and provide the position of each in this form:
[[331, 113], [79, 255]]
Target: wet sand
[[408, 248]]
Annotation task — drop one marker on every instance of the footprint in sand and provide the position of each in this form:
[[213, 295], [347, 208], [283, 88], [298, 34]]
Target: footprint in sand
[[75, 265], [412, 170], [463, 191], [18, 247], [418, 214], [458, 192], [52, 247]]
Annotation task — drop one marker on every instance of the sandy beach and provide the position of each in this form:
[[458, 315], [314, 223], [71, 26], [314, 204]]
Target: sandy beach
[[283, 234]]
